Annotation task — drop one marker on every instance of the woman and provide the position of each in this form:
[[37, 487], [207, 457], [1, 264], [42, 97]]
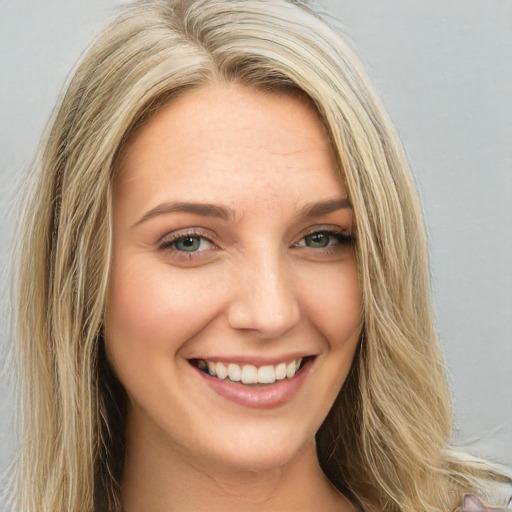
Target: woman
[[222, 285]]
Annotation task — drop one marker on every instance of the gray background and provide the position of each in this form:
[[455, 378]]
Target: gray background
[[444, 69]]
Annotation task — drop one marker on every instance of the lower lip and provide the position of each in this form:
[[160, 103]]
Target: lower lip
[[267, 396]]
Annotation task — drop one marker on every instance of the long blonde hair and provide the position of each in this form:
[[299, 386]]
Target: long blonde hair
[[385, 442]]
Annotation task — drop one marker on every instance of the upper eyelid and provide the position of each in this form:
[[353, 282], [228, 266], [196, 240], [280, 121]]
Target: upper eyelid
[[183, 233], [331, 229], [327, 229]]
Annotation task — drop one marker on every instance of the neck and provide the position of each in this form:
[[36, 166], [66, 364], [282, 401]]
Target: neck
[[171, 481]]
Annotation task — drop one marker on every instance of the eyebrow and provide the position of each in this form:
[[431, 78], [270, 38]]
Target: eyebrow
[[325, 207], [224, 213], [205, 209]]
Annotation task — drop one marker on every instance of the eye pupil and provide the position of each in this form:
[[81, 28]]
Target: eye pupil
[[188, 244]]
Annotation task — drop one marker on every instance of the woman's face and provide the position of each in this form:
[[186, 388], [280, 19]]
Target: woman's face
[[235, 308]]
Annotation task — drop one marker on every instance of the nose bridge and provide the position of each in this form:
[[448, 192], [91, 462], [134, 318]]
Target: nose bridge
[[265, 298]]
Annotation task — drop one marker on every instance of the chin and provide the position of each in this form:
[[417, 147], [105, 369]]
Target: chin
[[253, 453]]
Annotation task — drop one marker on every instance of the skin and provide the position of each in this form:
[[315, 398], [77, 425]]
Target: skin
[[256, 287]]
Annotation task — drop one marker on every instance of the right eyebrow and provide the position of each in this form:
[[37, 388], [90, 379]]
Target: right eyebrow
[[205, 209]]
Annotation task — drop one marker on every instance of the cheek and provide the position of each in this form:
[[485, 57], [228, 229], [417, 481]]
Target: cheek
[[154, 309], [334, 305]]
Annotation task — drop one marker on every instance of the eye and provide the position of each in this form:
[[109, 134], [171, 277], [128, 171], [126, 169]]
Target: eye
[[187, 243], [319, 240], [324, 239]]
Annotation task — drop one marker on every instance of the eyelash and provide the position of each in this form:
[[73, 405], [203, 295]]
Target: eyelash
[[169, 243], [342, 239]]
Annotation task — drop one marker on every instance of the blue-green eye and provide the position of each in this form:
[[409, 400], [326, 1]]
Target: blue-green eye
[[188, 243], [324, 239], [318, 240]]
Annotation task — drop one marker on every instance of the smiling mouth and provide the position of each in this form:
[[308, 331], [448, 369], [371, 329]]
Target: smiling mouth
[[249, 374]]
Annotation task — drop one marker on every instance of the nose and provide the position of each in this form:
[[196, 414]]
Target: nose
[[264, 301]]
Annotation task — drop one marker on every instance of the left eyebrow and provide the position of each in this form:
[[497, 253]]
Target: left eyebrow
[[324, 207]]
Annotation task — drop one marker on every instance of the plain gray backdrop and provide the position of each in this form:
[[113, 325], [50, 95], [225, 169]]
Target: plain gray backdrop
[[444, 69]]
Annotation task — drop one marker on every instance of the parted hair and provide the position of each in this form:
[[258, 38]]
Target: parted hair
[[385, 443]]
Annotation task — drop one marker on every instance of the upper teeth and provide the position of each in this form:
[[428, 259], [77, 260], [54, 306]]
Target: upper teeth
[[250, 374]]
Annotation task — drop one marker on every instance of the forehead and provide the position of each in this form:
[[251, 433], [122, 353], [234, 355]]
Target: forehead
[[231, 138], [229, 105]]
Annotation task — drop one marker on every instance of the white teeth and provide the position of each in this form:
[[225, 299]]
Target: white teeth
[[250, 374], [221, 370], [266, 374], [234, 372], [291, 368], [281, 371]]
